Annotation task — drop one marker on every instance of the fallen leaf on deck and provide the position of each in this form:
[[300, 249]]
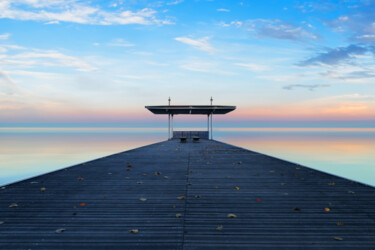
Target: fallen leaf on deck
[[129, 165], [34, 182], [178, 215], [127, 178], [60, 230], [165, 177], [139, 182], [134, 231], [351, 192], [331, 183], [237, 188], [42, 189], [232, 216], [191, 171], [13, 205], [82, 204], [338, 238], [144, 174], [340, 223], [259, 199], [272, 171], [298, 168], [142, 199], [297, 209], [240, 162], [216, 187], [197, 196], [109, 173], [180, 197], [327, 209], [80, 178], [157, 173], [219, 228]]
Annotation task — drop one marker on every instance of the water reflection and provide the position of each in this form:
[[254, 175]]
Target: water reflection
[[26, 152]]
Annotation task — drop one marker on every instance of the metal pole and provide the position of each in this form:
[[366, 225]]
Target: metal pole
[[208, 125], [169, 126], [172, 128], [211, 127]]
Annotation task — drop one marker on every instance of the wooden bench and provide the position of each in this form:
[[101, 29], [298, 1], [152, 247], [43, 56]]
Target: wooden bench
[[196, 138], [183, 139]]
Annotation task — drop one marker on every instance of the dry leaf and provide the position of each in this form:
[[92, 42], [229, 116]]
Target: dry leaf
[[219, 228], [165, 177], [82, 204], [338, 238], [178, 215], [340, 223], [80, 178], [331, 183], [134, 231], [142, 199], [191, 171], [259, 199], [351, 192], [139, 182], [60, 230], [128, 165], [240, 162], [42, 189], [197, 196], [13, 205], [297, 209], [157, 173], [298, 168], [237, 188], [181, 198], [327, 209], [232, 216], [144, 174]]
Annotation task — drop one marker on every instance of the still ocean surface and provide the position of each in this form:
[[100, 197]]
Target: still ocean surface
[[346, 152]]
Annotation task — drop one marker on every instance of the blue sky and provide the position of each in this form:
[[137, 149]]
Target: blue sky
[[103, 61]]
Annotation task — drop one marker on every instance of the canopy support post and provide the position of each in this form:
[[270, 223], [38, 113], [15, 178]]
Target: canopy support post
[[169, 126], [211, 127], [172, 128]]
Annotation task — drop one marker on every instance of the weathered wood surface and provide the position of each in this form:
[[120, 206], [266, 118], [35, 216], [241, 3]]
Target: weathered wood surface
[[278, 204]]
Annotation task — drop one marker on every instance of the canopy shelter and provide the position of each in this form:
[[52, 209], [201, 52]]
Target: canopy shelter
[[208, 110]]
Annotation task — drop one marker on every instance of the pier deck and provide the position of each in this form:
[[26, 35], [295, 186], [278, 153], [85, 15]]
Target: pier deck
[[275, 203]]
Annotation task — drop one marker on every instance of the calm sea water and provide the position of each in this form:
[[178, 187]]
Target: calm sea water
[[346, 152]]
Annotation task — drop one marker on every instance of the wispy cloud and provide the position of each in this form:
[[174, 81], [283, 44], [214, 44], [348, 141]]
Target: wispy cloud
[[223, 10], [253, 67], [335, 56], [4, 36], [279, 29], [175, 2], [310, 87], [201, 44], [55, 11], [120, 43], [46, 58]]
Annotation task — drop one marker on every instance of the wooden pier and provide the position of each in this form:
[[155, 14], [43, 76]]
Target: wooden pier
[[172, 195]]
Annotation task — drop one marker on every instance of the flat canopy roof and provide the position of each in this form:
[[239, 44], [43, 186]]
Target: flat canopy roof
[[190, 109]]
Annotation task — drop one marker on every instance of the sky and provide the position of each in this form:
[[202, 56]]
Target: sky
[[71, 61]]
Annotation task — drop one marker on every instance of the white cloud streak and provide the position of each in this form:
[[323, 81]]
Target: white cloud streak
[[201, 44], [55, 11]]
